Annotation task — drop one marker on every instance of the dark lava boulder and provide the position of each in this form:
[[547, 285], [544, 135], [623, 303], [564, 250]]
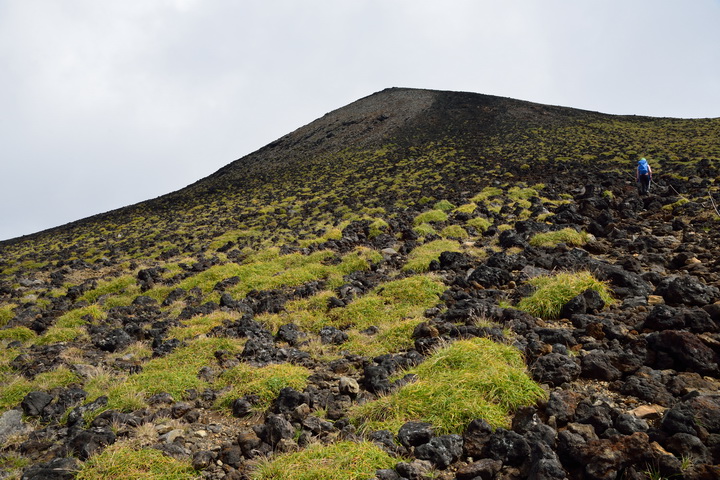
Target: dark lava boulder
[[413, 434], [682, 350], [686, 290], [441, 451], [56, 469], [696, 415], [555, 369], [489, 276], [34, 403]]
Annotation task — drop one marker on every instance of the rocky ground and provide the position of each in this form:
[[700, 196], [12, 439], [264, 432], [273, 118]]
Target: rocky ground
[[632, 388]]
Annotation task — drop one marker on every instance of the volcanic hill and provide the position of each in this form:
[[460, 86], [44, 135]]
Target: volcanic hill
[[421, 284]]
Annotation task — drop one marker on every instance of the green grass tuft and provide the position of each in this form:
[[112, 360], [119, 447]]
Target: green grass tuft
[[554, 291], [486, 194], [338, 461], [468, 379], [6, 314], [481, 224], [444, 205], [467, 208], [454, 231], [17, 333], [568, 235], [419, 259], [431, 216], [266, 382], [424, 229], [119, 461]]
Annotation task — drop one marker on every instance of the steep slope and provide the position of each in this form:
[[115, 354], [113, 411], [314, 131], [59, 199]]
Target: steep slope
[[421, 284]]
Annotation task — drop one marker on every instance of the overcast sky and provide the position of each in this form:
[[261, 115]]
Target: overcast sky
[[106, 103]]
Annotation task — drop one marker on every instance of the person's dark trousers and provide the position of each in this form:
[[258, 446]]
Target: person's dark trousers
[[644, 184]]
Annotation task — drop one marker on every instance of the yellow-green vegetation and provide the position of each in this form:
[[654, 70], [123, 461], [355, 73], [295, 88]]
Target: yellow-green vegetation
[[424, 229], [480, 223], [454, 231], [392, 337], [266, 382], [568, 235], [123, 285], [467, 208], [465, 380], [377, 227], [57, 334], [390, 301], [486, 194], [173, 373], [15, 387], [520, 192], [6, 314], [17, 333], [268, 269], [444, 205], [394, 308], [419, 259], [120, 461], [338, 461], [81, 316], [201, 324], [13, 465], [554, 291], [670, 207], [431, 216]]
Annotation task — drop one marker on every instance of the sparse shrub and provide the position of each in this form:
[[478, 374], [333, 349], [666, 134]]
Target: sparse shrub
[[337, 461], [419, 259], [568, 235], [13, 465], [394, 335], [554, 291], [58, 377], [431, 216], [465, 380]]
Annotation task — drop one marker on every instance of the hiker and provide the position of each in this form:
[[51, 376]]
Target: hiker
[[643, 176]]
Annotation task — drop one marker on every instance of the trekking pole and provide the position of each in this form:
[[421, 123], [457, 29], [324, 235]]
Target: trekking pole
[[713, 202]]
